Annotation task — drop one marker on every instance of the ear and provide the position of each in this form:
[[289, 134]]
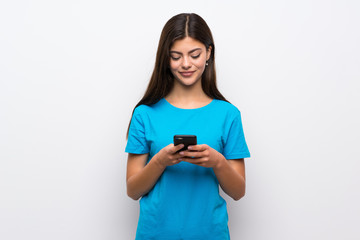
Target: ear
[[208, 53]]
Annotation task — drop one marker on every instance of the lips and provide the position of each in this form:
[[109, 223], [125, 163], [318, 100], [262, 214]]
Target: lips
[[187, 74]]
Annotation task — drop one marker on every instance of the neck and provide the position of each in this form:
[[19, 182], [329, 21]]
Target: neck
[[188, 96]]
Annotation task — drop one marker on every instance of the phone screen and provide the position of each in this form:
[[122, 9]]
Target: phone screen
[[186, 140]]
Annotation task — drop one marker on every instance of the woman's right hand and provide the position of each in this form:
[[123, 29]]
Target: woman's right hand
[[141, 176], [168, 156]]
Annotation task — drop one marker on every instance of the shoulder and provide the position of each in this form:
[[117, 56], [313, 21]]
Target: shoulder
[[144, 110], [226, 107], [141, 109]]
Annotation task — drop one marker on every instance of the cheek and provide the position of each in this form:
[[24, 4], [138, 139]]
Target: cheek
[[173, 66], [200, 64]]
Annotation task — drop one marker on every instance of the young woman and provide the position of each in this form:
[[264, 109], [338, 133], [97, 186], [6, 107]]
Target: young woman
[[179, 191]]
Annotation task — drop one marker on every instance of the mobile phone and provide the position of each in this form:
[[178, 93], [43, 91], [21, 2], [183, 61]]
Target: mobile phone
[[186, 140]]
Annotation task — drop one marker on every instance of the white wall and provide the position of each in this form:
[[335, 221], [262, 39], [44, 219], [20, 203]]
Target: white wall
[[72, 71]]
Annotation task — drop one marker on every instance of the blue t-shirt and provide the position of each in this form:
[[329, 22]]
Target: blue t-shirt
[[185, 202]]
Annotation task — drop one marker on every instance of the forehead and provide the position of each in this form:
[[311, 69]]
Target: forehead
[[186, 44]]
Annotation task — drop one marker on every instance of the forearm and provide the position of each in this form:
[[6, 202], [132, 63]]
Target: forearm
[[230, 180], [143, 181]]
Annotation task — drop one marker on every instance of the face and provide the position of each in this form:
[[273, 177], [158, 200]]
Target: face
[[187, 60]]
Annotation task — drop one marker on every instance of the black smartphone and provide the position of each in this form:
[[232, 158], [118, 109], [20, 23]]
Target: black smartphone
[[186, 140]]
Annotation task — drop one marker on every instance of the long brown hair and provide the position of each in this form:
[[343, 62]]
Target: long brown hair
[[162, 80]]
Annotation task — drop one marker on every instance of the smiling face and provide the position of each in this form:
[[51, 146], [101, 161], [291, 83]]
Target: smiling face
[[187, 60]]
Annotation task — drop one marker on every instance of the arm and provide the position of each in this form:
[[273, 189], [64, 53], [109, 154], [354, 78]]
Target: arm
[[141, 177], [231, 177], [230, 173]]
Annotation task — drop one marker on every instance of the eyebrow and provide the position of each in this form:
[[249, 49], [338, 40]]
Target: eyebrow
[[195, 49]]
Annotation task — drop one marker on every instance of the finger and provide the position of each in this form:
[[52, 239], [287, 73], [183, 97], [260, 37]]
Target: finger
[[190, 154], [177, 155], [189, 160], [176, 161], [201, 147], [196, 161], [177, 147]]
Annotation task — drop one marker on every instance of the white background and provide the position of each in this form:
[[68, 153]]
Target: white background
[[71, 72]]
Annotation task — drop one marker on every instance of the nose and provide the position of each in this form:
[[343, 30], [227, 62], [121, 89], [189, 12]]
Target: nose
[[186, 64]]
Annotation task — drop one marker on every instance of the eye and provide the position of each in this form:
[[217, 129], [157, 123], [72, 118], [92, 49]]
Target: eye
[[196, 56], [175, 58]]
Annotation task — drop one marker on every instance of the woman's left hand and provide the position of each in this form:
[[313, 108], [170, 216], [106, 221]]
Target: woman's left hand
[[202, 155]]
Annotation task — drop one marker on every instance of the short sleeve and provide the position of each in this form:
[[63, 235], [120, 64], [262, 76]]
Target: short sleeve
[[137, 143], [235, 146]]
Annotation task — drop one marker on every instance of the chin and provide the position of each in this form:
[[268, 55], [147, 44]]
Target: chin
[[187, 82]]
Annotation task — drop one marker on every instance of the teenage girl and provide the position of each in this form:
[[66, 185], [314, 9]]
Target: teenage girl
[[179, 191]]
